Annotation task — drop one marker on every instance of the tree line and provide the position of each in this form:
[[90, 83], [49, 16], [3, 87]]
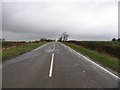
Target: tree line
[[114, 39]]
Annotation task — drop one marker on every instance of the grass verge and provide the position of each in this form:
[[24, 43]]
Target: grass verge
[[13, 52], [103, 59]]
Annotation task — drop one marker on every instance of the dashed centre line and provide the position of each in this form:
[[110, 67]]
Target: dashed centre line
[[51, 66], [54, 46]]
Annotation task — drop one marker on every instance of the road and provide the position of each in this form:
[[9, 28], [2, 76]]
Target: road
[[54, 66]]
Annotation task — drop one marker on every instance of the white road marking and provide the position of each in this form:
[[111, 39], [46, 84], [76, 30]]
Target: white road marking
[[84, 71], [77, 53], [54, 46], [92, 80], [40, 47], [23, 56], [51, 66]]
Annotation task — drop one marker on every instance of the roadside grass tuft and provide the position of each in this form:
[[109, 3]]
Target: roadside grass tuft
[[103, 59]]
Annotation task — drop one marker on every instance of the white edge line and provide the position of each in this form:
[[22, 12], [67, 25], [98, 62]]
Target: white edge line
[[51, 66], [40, 47], [93, 62], [9, 61]]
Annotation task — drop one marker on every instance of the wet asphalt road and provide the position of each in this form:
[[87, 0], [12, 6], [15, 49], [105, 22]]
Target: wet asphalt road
[[68, 70]]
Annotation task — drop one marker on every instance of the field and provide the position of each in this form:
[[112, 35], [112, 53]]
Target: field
[[13, 49], [106, 47], [98, 53]]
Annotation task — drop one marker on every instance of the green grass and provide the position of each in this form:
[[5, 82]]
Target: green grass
[[103, 59], [13, 52]]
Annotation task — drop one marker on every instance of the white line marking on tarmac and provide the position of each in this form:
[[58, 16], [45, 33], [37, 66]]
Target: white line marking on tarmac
[[51, 66], [40, 47], [78, 54], [101, 67], [54, 46]]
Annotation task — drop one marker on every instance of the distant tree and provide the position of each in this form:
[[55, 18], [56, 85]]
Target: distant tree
[[36, 41], [2, 39], [113, 39], [118, 39], [42, 39], [47, 40], [65, 36], [29, 41], [60, 39]]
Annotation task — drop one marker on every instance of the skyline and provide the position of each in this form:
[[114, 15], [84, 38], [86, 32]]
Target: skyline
[[81, 20]]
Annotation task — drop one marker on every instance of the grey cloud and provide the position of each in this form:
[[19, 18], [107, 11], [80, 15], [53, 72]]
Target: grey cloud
[[79, 20], [119, 19], [0, 20]]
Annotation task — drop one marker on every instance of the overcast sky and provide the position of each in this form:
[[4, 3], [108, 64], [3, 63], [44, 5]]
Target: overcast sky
[[81, 19]]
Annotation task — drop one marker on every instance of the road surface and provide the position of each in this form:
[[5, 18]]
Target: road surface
[[54, 66]]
